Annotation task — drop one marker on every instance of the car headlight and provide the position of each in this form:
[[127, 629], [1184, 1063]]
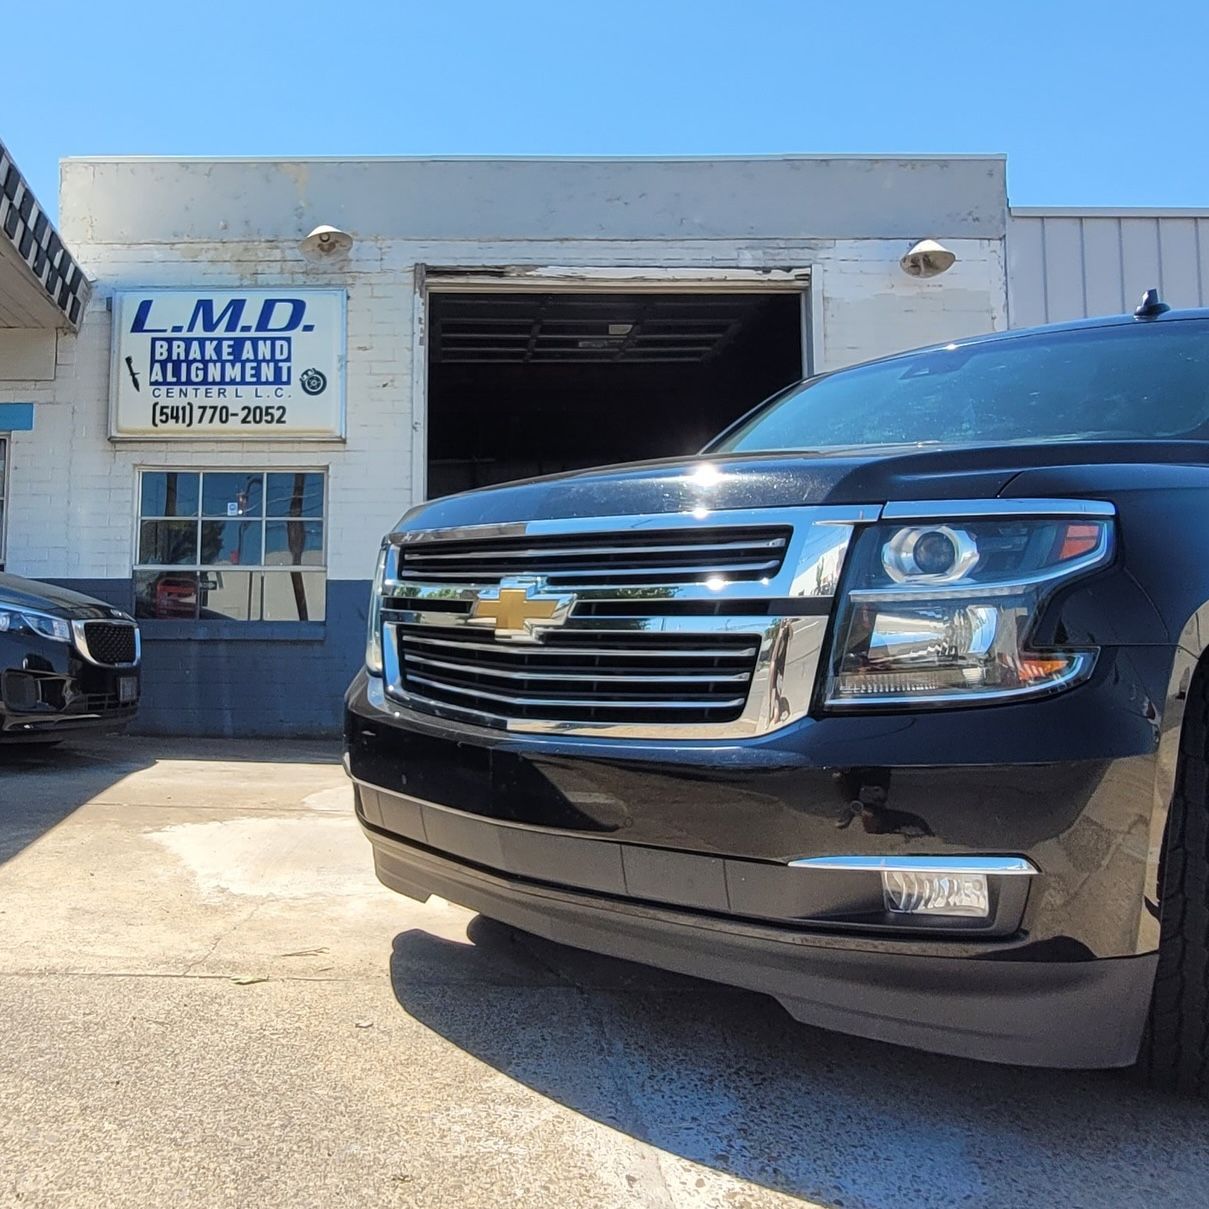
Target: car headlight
[[24, 621], [943, 613], [373, 640]]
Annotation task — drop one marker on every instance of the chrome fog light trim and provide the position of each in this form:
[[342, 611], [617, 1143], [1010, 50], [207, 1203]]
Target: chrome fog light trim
[[940, 866], [937, 887]]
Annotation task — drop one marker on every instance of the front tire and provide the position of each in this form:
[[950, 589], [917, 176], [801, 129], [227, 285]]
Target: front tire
[[1175, 1049]]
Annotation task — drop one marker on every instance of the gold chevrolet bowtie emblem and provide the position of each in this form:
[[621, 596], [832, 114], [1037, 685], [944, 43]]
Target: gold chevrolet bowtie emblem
[[513, 612]]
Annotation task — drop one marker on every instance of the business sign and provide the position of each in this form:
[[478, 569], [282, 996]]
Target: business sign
[[207, 364]]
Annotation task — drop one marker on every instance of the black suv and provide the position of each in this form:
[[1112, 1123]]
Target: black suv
[[68, 663], [893, 703]]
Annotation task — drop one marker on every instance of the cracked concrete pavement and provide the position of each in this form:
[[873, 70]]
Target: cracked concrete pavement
[[207, 1000]]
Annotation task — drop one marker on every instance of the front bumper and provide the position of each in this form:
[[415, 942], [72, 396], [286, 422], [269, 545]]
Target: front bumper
[[47, 689], [679, 855], [1035, 1013]]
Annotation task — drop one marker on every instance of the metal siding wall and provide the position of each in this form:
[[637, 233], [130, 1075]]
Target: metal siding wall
[[1104, 281], [1066, 266], [1178, 262], [1141, 266], [1064, 282], [1026, 272], [1202, 248]]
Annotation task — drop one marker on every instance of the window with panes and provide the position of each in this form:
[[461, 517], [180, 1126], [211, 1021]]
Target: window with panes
[[231, 545]]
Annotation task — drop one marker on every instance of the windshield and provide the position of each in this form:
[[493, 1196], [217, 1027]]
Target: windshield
[[1135, 381]]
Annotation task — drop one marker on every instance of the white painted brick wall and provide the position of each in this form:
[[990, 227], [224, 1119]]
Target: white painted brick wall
[[72, 501]]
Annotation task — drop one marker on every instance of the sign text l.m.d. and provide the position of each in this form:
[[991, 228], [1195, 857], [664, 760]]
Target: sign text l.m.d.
[[207, 364]]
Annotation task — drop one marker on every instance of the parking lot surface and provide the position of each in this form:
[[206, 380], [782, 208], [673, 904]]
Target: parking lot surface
[[207, 999]]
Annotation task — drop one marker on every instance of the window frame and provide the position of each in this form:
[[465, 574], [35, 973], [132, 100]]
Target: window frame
[[199, 568]]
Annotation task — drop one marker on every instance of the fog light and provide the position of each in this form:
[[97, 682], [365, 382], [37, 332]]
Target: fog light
[[935, 893]]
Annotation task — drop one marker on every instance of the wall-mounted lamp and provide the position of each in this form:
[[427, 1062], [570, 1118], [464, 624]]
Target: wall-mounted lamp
[[928, 258], [325, 241]]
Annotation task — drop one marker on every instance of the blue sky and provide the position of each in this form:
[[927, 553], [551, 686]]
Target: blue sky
[[1095, 103]]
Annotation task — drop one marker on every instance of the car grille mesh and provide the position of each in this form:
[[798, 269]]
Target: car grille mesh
[[680, 556], [110, 642], [596, 676]]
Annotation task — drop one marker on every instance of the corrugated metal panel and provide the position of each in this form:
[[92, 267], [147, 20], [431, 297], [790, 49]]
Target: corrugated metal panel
[[1026, 272], [1104, 281], [1062, 244], [1179, 265], [1064, 264]]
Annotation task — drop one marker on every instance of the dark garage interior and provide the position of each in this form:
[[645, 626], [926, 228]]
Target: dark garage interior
[[529, 383]]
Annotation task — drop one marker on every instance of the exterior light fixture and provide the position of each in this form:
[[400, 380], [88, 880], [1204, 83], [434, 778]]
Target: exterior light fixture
[[324, 242], [927, 258]]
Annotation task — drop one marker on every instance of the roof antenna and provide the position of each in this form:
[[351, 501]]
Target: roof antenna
[[1151, 306]]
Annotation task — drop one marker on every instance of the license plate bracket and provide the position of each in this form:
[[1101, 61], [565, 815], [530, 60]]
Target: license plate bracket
[[128, 690]]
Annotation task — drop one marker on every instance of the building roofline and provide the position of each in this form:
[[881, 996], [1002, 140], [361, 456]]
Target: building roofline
[[133, 200], [1108, 211], [992, 157]]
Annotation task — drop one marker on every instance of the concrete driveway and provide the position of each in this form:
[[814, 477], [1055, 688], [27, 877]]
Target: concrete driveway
[[206, 999]]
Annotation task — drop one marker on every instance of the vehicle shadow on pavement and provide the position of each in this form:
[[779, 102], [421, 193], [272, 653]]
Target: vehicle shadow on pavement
[[724, 1078], [41, 785]]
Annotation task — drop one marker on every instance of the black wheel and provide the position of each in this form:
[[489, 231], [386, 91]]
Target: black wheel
[[1175, 1050]]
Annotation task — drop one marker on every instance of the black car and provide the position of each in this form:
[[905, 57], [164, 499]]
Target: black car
[[68, 663], [893, 704]]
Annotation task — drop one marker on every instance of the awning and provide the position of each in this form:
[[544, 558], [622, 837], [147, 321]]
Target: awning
[[41, 285]]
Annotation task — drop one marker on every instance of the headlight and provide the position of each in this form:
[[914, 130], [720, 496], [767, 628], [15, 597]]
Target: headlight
[[943, 613], [373, 641], [22, 621]]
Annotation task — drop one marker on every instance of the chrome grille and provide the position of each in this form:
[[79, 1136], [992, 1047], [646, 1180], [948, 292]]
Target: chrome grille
[[688, 625], [736, 553], [583, 675]]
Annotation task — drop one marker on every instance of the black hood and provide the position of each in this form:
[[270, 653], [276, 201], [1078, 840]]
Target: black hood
[[46, 598], [865, 475]]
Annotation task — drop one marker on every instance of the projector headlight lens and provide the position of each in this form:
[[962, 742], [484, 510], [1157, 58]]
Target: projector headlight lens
[[933, 554], [940, 614]]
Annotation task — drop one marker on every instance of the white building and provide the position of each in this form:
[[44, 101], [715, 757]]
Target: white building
[[492, 318]]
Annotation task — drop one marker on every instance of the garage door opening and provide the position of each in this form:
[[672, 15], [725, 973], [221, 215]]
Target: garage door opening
[[529, 383]]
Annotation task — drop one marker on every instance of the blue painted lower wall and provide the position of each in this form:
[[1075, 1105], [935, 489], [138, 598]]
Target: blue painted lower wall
[[273, 681]]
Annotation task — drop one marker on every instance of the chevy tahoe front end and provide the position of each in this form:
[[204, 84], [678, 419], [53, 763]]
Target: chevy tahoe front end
[[888, 730]]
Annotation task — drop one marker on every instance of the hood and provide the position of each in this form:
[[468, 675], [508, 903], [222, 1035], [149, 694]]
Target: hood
[[865, 475], [47, 598]]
